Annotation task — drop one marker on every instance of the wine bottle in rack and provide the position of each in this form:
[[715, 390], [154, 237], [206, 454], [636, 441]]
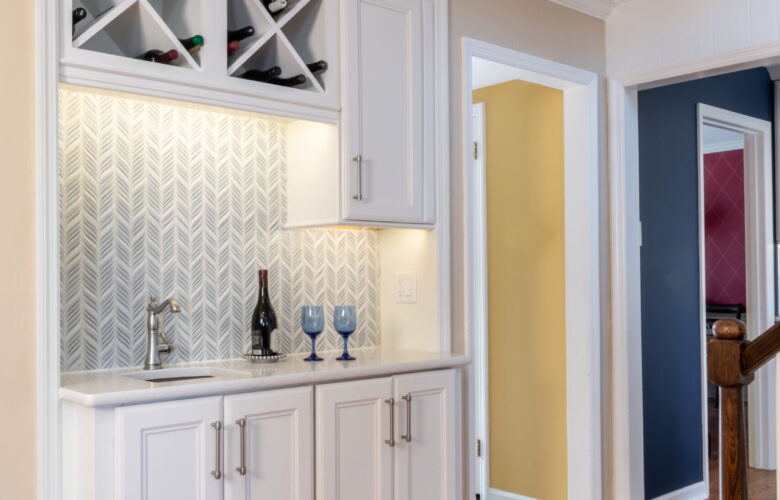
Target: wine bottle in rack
[[193, 43], [264, 75], [79, 14], [275, 6], [317, 67], [159, 56], [293, 81], [234, 46], [240, 34]]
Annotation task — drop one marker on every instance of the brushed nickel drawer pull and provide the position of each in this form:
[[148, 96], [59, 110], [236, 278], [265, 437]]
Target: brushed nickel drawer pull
[[217, 472], [391, 441], [408, 436], [241, 469], [359, 195]]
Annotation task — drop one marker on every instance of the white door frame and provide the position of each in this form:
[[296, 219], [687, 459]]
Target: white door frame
[[760, 267], [583, 318], [625, 242]]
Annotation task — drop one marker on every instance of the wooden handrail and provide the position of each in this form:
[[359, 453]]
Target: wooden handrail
[[731, 363]]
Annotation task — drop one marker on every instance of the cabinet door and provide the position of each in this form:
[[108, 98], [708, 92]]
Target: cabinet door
[[167, 451], [278, 445], [352, 423], [426, 453], [386, 81]]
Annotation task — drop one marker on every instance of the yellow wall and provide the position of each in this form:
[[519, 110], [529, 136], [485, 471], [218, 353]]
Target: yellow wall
[[17, 256], [526, 288]]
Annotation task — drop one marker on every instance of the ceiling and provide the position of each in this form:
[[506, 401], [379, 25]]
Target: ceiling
[[596, 8], [485, 73]]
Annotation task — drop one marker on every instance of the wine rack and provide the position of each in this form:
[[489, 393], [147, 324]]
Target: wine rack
[[106, 46]]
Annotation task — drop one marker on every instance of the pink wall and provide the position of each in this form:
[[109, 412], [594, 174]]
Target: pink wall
[[724, 227]]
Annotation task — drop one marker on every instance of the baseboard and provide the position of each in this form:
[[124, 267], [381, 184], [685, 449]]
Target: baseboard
[[494, 494], [696, 491]]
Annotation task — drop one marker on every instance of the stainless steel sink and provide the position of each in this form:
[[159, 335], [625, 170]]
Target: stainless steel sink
[[185, 373]]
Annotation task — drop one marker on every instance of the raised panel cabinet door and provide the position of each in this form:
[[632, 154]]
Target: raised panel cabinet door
[[353, 461], [386, 82], [277, 458], [426, 467], [169, 451]]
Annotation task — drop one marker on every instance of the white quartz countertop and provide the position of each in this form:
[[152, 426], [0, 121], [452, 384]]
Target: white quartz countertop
[[115, 387]]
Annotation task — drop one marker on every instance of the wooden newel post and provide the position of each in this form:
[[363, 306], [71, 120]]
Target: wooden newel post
[[724, 360]]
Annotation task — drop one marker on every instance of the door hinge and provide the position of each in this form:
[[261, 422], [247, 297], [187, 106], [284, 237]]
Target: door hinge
[[479, 447], [475, 150]]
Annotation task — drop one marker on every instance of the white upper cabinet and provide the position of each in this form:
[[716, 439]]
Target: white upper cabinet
[[385, 132], [170, 451], [269, 445]]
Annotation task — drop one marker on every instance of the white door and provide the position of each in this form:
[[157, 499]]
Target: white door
[[169, 451], [426, 451], [278, 445], [353, 459], [388, 129]]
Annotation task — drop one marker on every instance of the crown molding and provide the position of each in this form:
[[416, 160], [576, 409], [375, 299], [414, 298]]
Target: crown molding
[[596, 8]]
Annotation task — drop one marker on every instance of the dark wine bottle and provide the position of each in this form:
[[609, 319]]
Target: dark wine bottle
[[234, 46], [263, 320], [317, 67], [275, 6], [159, 56], [79, 14], [264, 75], [293, 81], [240, 34], [193, 43]]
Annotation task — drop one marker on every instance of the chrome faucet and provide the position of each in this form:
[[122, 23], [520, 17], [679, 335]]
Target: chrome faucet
[[154, 332]]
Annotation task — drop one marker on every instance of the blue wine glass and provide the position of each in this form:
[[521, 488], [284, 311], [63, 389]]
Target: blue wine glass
[[345, 322], [312, 322]]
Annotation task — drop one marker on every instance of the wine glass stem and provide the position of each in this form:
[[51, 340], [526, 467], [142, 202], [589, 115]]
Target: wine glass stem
[[313, 350], [345, 346]]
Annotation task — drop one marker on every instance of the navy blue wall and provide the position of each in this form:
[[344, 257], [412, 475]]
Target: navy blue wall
[[668, 178]]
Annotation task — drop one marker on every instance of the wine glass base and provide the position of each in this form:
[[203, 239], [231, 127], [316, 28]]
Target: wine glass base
[[345, 357], [313, 357]]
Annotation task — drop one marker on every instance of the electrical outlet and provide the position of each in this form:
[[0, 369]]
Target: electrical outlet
[[406, 288]]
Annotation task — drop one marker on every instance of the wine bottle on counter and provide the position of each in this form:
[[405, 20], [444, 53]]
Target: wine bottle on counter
[[240, 34], [159, 56], [293, 81], [262, 75], [275, 6], [234, 46], [193, 43], [263, 320], [79, 14], [317, 67]]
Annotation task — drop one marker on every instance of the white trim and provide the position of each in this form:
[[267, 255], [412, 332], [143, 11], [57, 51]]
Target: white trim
[[720, 147], [696, 491], [600, 9], [47, 259], [494, 494], [624, 165], [760, 267], [583, 321]]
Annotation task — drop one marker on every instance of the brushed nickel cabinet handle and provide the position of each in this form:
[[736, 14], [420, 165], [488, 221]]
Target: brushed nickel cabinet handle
[[241, 469], [391, 441], [408, 436], [217, 472], [359, 195]]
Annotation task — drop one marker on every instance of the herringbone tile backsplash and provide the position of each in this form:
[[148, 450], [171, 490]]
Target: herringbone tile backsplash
[[164, 200]]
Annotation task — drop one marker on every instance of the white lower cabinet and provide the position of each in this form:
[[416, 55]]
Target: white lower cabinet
[[167, 451], [276, 459], [390, 438]]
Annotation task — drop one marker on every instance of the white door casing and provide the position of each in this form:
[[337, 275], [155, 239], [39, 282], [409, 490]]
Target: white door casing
[[278, 445]]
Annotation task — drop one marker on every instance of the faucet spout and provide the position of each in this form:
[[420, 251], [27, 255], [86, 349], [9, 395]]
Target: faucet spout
[[154, 331]]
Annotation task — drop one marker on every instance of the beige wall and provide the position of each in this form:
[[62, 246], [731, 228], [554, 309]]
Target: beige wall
[[17, 257], [527, 288], [543, 29]]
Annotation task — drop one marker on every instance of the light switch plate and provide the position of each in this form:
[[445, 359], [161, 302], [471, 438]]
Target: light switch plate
[[406, 288]]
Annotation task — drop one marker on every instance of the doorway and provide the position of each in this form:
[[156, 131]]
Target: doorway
[[580, 302], [737, 269]]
